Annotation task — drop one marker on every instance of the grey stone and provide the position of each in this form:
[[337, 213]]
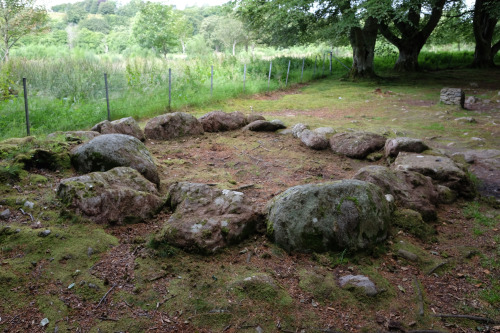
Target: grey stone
[[359, 281], [470, 100], [278, 123], [75, 135], [407, 255], [410, 189], [219, 121], [44, 322], [5, 215], [441, 169], [120, 195], [446, 195], [127, 126], [394, 146], [44, 233], [108, 151], [356, 144], [466, 120], [325, 131], [263, 126], [29, 204], [319, 217], [313, 140], [452, 96], [206, 219], [298, 128], [173, 125], [253, 117]]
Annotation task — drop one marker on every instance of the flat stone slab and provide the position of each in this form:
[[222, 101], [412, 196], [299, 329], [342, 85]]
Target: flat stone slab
[[443, 170], [359, 281], [396, 145], [357, 144], [219, 121], [173, 125]]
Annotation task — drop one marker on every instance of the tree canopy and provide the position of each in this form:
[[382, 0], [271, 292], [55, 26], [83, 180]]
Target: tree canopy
[[19, 18]]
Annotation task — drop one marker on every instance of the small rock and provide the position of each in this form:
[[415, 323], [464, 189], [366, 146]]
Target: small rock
[[476, 139], [466, 120], [298, 128], [90, 251], [29, 204], [407, 255], [5, 215], [71, 286], [44, 233], [470, 100], [314, 304], [93, 286], [44, 322], [359, 281]]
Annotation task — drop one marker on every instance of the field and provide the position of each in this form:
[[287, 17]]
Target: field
[[129, 283]]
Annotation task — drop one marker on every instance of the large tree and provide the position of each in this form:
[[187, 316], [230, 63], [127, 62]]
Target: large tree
[[408, 25], [154, 27], [485, 20], [19, 18], [229, 32], [287, 22]]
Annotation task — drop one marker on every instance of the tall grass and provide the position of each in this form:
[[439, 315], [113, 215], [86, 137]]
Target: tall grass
[[68, 93]]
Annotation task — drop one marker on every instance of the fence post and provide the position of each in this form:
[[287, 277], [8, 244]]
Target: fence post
[[315, 64], [287, 72], [244, 76], [302, 72], [26, 110], [323, 65], [212, 81], [169, 88], [107, 94], [331, 53], [269, 79]]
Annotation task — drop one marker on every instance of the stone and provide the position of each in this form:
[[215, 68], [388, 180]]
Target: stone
[[325, 131], [120, 195], [313, 140], [452, 96], [253, 117], [441, 169], [485, 164], [350, 214], [108, 151], [298, 128], [446, 195], [469, 120], [206, 219], [29, 204], [78, 136], [356, 144], [173, 125], [394, 146], [126, 126], [264, 126], [44, 233], [5, 214], [44, 322], [359, 282], [410, 189], [407, 255], [411, 221], [470, 100], [218, 121]]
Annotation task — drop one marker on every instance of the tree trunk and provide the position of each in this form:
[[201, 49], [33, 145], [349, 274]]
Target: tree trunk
[[484, 28], [234, 48], [408, 56], [183, 46], [363, 49]]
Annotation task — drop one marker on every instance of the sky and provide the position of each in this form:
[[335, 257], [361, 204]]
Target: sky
[[180, 4]]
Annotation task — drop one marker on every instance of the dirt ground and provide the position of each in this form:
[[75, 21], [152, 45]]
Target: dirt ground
[[133, 286]]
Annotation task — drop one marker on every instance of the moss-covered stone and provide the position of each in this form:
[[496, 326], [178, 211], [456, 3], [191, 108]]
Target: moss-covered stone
[[412, 222]]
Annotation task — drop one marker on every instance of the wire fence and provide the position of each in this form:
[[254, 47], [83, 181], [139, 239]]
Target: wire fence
[[85, 99]]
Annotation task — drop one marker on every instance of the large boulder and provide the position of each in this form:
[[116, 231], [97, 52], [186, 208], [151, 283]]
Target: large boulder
[[218, 121], [298, 128], [410, 189], [120, 195], [313, 140], [440, 168], [394, 146], [173, 125], [265, 126], [108, 151], [206, 219], [350, 214], [126, 126], [356, 144]]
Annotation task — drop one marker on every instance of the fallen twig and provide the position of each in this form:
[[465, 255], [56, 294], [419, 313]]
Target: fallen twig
[[437, 267], [105, 295], [420, 297], [108, 319], [29, 214], [475, 318], [158, 304], [244, 187]]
